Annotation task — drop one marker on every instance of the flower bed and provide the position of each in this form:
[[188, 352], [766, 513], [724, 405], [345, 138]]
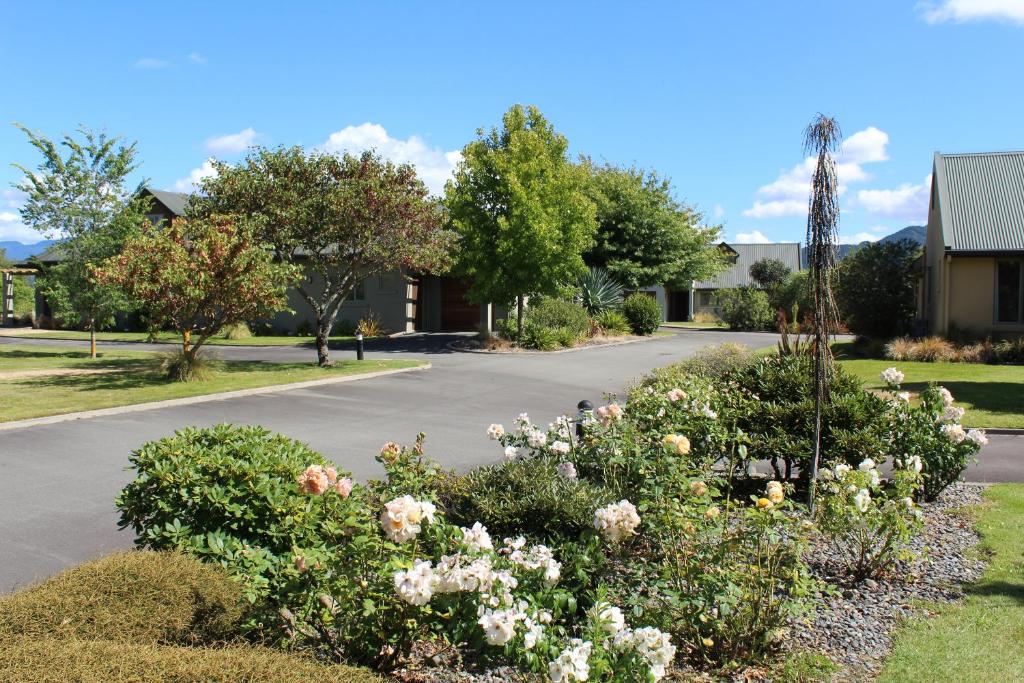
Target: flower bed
[[636, 539]]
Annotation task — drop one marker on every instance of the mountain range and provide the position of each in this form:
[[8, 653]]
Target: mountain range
[[17, 252], [912, 233]]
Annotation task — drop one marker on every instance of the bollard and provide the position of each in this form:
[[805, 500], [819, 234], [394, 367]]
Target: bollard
[[359, 346], [583, 410]]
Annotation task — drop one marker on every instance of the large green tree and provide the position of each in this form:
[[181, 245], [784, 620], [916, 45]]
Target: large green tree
[[78, 193], [645, 236], [521, 212], [875, 288], [343, 218]]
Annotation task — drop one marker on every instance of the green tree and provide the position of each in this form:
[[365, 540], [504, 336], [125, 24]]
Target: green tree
[[197, 276], [875, 288], [79, 195], [521, 212], [769, 273], [646, 237], [342, 218]]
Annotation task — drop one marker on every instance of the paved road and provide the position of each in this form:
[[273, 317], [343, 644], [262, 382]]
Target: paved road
[[58, 482]]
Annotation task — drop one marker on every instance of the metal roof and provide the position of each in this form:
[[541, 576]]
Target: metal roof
[[174, 201], [981, 200], [738, 275]]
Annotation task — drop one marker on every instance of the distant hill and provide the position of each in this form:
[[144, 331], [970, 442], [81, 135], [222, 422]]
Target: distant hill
[[16, 251], [913, 233]]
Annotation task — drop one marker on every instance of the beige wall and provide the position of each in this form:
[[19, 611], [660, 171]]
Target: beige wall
[[971, 282], [934, 285]]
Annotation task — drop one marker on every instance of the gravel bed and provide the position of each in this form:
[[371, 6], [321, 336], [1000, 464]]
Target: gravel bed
[[853, 626]]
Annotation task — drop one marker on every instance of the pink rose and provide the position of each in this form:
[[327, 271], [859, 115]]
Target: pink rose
[[314, 480], [343, 487], [332, 475]]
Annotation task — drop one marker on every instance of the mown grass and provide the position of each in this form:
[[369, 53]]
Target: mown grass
[[135, 377], [981, 639], [992, 394], [172, 338], [692, 325]]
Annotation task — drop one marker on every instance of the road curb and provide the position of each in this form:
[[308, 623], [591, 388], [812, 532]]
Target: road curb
[[206, 398], [1008, 431], [453, 346]]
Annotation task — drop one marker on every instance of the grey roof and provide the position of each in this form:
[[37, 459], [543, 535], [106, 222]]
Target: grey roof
[[981, 200], [174, 201], [738, 275]]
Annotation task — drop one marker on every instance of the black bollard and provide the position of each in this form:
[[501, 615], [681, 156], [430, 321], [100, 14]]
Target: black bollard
[[359, 346], [583, 409]]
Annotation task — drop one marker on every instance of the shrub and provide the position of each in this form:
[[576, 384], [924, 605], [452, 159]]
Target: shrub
[[1009, 351], [51, 660], [219, 491], [933, 350], [371, 326], [875, 288], [598, 291], [769, 273], [706, 317], [869, 523], [714, 361], [901, 349], [236, 331], [179, 367], [345, 328], [642, 312], [745, 308], [613, 323], [540, 338], [980, 352], [129, 597], [558, 313]]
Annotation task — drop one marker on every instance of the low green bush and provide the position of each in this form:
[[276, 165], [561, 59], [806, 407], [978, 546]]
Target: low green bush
[[555, 313], [237, 331], [1009, 351], [745, 308], [130, 597], [642, 312], [540, 338], [53, 660], [613, 323], [715, 361], [179, 367]]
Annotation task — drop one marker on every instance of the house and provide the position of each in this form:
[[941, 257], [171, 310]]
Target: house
[[403, 301], [682, 304], [973, 279]]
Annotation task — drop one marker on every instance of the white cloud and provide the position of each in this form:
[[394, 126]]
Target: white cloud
[[191, 183], [233, 143], [858, 238], [12, 198], [907, 202], [777, 208], [151, 63], [11, 228], [788, 193], [718, 211], [196, 58], [755, 237], [961, 11], [434, 165]]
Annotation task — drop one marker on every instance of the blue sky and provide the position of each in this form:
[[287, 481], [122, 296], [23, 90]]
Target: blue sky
[[714, 95]]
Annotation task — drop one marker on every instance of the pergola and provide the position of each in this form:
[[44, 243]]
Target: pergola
[[7, 289]]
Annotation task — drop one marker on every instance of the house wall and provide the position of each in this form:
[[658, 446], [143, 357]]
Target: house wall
[[933, 309], [387, 296], [971, 284]]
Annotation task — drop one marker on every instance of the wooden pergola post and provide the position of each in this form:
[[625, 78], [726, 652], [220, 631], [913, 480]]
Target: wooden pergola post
[[7, 293]]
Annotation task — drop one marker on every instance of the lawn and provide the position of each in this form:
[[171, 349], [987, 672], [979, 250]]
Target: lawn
[[692, 325], [173, 338], [992, 394], [981, 639], [135, 377]]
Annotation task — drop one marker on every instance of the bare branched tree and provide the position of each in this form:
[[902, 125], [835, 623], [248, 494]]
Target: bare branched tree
[[822, 138]]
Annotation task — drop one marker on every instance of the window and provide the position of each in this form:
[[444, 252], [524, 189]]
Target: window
[[1009, 292], [358, 292]]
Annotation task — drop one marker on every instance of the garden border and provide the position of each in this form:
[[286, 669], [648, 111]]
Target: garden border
[[219, 396], [531, 352]]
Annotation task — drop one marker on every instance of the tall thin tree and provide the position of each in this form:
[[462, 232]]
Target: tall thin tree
[[821, 139]]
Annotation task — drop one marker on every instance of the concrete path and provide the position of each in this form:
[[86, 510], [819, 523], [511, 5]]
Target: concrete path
[[58, 482]]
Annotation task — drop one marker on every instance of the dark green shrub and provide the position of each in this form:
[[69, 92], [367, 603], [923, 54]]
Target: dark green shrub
[[613, 322], [130, 597], [642, 312], [540, 338], [52, 660], [229, 494], [875, 288], [1009, 351], [745, 308], [554, 313]]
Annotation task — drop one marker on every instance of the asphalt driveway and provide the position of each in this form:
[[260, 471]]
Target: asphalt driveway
[[58, 482]]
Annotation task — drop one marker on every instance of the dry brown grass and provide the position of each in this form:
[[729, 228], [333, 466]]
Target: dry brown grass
[[901, 348], [52, 660], [933, 350], [706, 317]]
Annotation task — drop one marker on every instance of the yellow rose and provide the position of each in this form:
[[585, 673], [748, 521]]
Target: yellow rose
[[712, 512], [682, 445], [698, 488], [708, 642], [688, 528], [669, 440], [414, 514], [765, 504]]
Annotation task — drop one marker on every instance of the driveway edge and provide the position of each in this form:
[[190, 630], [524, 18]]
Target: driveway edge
[[453, 346], [205, 398]]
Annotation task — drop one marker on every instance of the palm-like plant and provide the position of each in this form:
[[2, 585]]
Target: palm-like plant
[[598, 291]]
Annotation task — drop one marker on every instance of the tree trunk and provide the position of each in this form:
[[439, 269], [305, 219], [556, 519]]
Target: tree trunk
[[186, 343], [92, 341], [323, 332], [519, 315]]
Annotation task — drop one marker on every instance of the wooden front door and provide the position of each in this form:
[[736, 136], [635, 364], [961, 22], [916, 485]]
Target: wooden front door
[[457, 314]]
